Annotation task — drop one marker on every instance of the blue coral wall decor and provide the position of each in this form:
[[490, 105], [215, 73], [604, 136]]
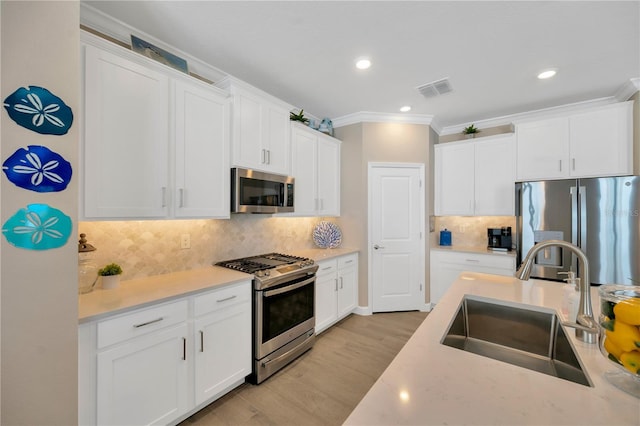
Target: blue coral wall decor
[[36, 108], [38, 169], [38, 227], [327, 235]]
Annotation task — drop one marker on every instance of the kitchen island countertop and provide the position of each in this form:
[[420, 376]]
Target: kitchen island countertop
[[429, 383]]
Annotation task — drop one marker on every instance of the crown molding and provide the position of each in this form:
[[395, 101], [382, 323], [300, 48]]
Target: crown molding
[[380, 117], [628, 89], [120, 31]]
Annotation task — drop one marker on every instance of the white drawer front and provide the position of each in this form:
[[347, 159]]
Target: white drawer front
[[222, 298], [476, 259], [327, 266], [140, 322], [346, 261]]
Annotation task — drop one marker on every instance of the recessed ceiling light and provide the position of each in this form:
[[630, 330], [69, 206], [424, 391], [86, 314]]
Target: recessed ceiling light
[[405, 108], [363, 63], [547, 74]]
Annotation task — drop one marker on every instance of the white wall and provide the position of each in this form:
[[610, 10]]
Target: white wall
[[39, 306]]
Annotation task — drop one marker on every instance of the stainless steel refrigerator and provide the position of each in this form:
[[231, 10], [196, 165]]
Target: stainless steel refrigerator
[[599, 215]]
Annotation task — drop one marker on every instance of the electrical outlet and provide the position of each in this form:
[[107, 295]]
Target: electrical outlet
[[185, 241]]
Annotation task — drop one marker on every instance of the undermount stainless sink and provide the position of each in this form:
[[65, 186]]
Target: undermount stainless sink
[[521, 335]]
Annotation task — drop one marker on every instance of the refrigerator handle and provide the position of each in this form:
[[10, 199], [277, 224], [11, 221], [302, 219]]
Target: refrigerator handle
[[582, 197], [518, 214], [575, 226]]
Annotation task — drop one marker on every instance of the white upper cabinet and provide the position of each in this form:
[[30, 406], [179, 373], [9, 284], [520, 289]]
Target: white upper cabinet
[[155, 143], [597, 142], [475, 177], [126, 138], [201, 151], [315, 165], [260, 129]]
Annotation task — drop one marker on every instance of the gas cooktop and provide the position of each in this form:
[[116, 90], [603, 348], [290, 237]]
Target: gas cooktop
[[272, 268]]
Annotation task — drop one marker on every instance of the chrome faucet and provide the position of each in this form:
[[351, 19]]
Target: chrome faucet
[[585, 325]]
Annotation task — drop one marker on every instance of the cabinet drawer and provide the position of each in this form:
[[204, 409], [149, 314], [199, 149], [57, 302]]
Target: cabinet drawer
[[476, 259], [327, 267], [222, 298], [140, 322], [346, 261]]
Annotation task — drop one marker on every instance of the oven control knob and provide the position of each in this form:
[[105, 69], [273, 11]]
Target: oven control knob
[[260, 273]]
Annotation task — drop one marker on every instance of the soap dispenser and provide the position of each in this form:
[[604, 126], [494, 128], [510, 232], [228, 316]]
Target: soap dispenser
[[87, 269], [570, 296]]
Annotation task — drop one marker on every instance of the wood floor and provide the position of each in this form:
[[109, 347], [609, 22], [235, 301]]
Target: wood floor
[[324, 385]]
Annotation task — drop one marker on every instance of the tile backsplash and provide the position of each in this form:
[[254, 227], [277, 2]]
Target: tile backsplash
[[470, 231], [145, 248]]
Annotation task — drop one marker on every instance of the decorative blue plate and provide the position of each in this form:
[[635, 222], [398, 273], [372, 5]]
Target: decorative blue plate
[[37, 227], [327, 235], [35, 108], [39, 169]]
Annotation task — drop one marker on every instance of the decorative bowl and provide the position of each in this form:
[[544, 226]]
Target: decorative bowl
[[620, 335]]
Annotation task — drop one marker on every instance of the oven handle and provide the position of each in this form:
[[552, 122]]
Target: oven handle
[[281, 290], [264, 364]]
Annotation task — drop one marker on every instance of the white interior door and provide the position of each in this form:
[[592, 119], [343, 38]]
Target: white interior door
[[396, 247]]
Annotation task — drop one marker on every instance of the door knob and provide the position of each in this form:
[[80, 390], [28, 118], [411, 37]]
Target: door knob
[[378, 247]]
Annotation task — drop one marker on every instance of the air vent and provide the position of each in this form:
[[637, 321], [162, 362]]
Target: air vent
[[435, 88]]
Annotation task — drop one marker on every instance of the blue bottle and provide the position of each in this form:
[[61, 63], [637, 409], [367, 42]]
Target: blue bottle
[[445, 237]]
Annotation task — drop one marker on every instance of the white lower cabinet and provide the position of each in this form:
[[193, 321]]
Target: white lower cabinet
[[336, 290], [144, 381], [223, 341], [159, 364], [447, 265]]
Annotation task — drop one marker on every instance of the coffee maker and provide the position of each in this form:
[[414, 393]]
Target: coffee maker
[[499, 238]]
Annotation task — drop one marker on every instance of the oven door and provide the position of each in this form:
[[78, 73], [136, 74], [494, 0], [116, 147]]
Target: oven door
[[283, 313]]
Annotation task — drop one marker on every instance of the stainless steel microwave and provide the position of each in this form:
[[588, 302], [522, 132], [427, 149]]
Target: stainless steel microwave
[[258, 192]]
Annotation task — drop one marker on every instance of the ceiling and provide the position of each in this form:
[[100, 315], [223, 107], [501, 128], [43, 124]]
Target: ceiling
[[303, 52]]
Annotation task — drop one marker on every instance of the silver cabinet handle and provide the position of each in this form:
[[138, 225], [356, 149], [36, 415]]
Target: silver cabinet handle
[[573, 164], [560, 165], [201, 341], [264, 156], [336, 284], [268, 156], [181, 197], [226, 298], [472, 260], [164, 196], [341, 284], [148, 323], [326, 268], [184, 348], [377, 247], [349, 261]]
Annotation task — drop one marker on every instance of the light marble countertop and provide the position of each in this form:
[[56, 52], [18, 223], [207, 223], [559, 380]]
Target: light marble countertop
[[429, 383], [137, 293], [325, 254], [473, 249]]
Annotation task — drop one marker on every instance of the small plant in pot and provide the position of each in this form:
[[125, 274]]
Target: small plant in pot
[[110, 275], [470, 131], [298, 117]]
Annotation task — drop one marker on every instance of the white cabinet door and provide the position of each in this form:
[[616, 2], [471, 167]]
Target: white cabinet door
[[600, 142], [145, 380], [201, 152], [223, 350], [347, 290], [126, 138], [326, 295], [277, 139], [454, 179], [304, 170], [543, 149], [261, 134], [328, 155], [495, 174]]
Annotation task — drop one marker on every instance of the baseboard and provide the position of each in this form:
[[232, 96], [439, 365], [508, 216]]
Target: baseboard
[[363, 310]]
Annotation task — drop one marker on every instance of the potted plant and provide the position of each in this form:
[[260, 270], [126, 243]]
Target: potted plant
[[470, 131], [298, 117], [110, 275]]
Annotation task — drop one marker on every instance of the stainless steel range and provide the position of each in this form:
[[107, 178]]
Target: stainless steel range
[[283, 309]]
